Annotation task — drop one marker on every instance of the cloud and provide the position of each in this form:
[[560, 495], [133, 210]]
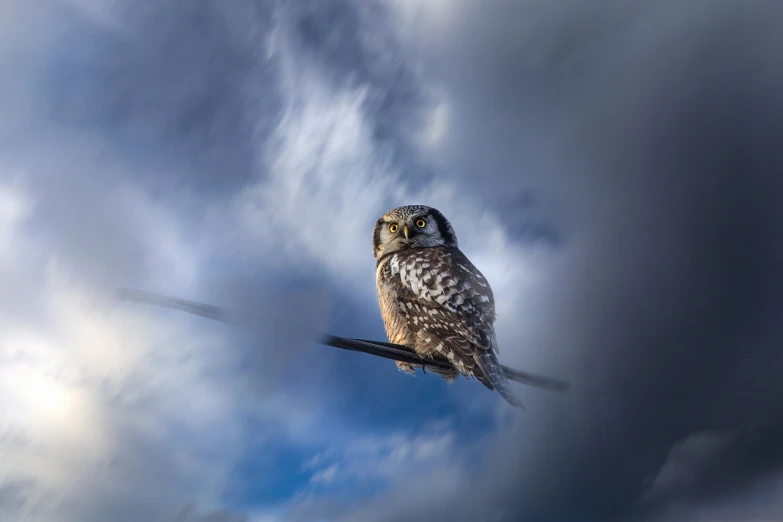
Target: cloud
[[89, 402], [733, 474], [386, 456], [325, 475], [686, 460], [609, 168], [757, 502]]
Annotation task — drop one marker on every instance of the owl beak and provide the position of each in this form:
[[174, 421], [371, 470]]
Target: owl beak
[[405, 231]]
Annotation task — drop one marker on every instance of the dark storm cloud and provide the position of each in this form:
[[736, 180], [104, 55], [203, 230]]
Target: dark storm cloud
[[706, 467], [649, 133], [180, 87]]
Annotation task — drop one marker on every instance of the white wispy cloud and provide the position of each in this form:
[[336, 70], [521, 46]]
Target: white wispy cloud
[[327, 182], [325, 475], [382, 457]]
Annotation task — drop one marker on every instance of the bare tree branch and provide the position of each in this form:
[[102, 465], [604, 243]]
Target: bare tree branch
[[395, 352]]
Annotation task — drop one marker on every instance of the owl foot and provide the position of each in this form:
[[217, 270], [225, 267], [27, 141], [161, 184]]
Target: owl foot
[[406, 367], [450, 375]]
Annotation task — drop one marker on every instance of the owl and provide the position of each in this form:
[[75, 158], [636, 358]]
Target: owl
[[433, 299]]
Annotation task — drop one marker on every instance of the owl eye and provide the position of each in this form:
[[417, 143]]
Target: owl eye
[[393, 228], [421, 223]]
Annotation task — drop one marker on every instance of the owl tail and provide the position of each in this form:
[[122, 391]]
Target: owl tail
[[495, 375]]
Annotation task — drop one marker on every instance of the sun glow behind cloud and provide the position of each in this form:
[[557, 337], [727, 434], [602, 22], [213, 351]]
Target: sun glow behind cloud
[[82, 387]]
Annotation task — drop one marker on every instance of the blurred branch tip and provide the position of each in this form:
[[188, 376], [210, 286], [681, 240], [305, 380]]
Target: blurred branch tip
[[395, 352]]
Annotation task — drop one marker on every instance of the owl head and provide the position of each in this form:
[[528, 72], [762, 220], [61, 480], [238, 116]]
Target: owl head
[[412, 226]]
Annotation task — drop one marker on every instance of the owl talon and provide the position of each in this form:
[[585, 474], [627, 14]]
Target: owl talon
[[406, 367]]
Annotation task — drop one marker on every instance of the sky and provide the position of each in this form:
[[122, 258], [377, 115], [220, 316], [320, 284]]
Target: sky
[[612, 167]]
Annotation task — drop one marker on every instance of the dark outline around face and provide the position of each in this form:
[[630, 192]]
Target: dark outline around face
[[417, 237]]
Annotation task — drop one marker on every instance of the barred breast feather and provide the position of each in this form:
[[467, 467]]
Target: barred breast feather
[[441, 304]]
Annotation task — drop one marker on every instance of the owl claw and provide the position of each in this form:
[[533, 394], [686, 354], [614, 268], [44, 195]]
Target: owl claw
[[406, 367]]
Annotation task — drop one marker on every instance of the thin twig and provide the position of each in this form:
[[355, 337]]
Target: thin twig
[[395, 352]]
